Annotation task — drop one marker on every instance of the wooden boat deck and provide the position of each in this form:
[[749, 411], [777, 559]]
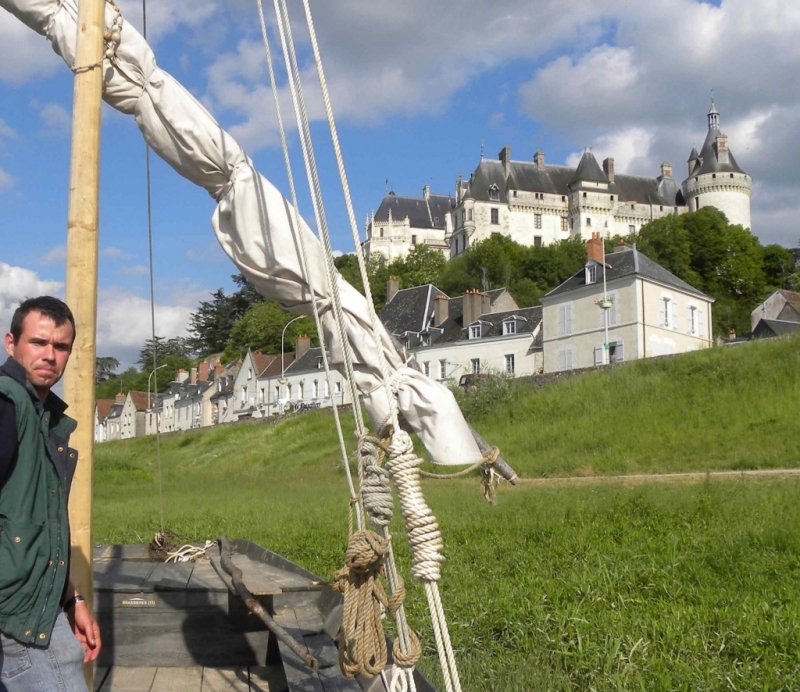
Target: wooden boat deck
[[178, 628]]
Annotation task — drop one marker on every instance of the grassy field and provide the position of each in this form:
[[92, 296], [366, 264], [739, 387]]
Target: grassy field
[[663, 587]]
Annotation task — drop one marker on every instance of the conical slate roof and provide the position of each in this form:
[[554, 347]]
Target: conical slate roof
[[694, 156], [589, 170]]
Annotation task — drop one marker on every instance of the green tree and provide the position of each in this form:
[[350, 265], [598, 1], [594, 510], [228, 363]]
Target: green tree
[[104, 368], [260, 329], [778, 265]]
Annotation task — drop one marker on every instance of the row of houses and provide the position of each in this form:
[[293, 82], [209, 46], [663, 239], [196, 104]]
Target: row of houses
[[620, 306]]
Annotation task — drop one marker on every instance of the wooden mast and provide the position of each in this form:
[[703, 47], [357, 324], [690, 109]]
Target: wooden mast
[[81, 290]]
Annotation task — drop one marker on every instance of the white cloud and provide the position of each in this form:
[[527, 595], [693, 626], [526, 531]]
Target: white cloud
[[18, 284], [54, 117], [6, 181], [112, 252], [630, 149], [58, 255], [23, 54], [137, 270], [6, 130], [165, 16]]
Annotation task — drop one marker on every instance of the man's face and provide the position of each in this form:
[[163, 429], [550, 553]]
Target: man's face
[[42, 349]]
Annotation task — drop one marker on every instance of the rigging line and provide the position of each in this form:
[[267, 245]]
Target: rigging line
[[298, 100], [293, 74], [304, 260], [153, 304]]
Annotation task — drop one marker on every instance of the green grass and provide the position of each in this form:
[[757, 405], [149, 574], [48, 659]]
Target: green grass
[[723, 408], [608, 587]]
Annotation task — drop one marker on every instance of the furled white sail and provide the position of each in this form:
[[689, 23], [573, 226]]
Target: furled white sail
[[254, 223]]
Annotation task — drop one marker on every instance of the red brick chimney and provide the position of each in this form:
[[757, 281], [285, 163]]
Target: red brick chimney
[[302, 346], [594, 248], [202, 373]]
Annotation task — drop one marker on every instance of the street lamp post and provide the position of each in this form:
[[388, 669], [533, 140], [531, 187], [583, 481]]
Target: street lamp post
[[282, 381]]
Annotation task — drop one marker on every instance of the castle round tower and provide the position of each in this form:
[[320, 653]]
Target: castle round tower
[[715, 179]]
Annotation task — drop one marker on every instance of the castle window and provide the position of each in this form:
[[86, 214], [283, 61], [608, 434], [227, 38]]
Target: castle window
[[661, 208], [731, 175], [589, 221], [494, 193], [563, 198], [584, 195], [537, 241], [564, 226], [612, 198], [413, 240], [631, 229], [469, 214], [495, 213], [381, 233], [515, 193], [537, 220], [697, 204], [713, 175]]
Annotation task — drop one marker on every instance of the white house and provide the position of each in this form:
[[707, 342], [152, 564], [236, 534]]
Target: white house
[[648, 312], [478, 332], [132, 416], [402, 223]]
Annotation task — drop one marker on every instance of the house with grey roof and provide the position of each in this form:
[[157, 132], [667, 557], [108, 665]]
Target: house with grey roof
[[778, 315], [402, 223], [537, 203], [621, 306], [477, 332]]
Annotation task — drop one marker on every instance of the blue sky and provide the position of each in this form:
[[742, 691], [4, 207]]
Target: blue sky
[[417, 88]]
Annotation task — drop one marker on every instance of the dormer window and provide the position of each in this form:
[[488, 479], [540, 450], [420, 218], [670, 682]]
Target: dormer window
[[509, 327], [424, 339], [494, 193], [591, 274], [475, 331]]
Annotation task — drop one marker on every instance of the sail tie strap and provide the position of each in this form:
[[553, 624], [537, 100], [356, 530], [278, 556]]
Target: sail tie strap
[[362, 648]]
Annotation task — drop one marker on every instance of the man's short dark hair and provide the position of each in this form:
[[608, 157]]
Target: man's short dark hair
[[57, 310]]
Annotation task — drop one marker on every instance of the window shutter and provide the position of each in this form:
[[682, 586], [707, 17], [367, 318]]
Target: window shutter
[[674, 315], [562, 360], [598, 355], [620, 354], [661, 312], [700, 330], [562, 320], [568, 309], [688, 319], [568, 358]]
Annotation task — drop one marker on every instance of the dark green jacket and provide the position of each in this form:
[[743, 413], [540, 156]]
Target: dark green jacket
[[34, 525]]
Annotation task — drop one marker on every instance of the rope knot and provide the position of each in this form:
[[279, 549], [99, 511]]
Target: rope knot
[[366, 552]]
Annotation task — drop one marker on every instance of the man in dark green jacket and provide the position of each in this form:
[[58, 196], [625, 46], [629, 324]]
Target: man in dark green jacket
[[46, 630]]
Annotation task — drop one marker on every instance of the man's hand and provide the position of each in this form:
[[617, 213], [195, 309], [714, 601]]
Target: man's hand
[[85, 629]]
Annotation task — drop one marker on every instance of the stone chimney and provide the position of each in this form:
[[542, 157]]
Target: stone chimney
[[193, 376], [505, 157], [594, 248], [119, 400], [426, 192], [722, 148], [538, 160], [202, 373], [608, 169], [392, 287], [476, 304], [441, 310], [666, 169], [302, 346], [218, 369], [182, 376]]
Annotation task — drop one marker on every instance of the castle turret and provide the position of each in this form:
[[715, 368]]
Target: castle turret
[[715, 179]]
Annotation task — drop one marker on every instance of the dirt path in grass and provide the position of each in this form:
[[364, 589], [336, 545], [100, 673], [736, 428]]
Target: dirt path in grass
[[639, 478]]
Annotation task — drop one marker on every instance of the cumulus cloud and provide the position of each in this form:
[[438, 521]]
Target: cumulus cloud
[[630, 149], [165, 16], [18, 284], [23, 54], [6, 181], [136, 270], [6, 131], [57, 255], [55, 119]]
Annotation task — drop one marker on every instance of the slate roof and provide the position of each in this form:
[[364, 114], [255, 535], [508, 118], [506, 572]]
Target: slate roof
[[410, 309], [104, 407], [709, 157], [555, 180], [588, 169], [453, 328], [770, 328], [116, 411], [310, 361], [416, 209], [628, 263]]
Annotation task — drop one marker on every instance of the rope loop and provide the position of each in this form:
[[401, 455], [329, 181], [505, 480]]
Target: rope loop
[[362, 647], [375, 489]]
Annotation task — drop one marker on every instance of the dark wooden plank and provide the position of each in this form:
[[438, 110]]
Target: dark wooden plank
[[254, 577], [299, 677], [205, 578], [129, 680], [169, 576], [288, 581], [124, 576], [309, 619], [226, 679], [186, 679]]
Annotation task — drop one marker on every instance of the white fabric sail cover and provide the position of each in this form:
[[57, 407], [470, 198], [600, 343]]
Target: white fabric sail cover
[[254, 223]]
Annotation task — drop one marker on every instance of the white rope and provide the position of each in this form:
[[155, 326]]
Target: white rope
[[304, 262], [188, 552], [422, 528]]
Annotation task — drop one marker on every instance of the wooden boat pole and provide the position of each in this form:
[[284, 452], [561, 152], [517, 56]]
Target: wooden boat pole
[[81, 289]]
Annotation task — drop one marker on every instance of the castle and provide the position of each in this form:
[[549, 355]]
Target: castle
[[537, 203]]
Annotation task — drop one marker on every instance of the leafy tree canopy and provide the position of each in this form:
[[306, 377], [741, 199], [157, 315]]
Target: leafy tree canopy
[[261, 327]]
